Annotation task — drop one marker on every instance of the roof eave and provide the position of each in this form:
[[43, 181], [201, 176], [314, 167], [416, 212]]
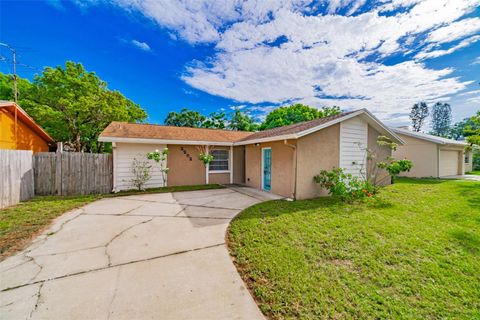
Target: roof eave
[[269, 139], [163, 141], [433, 140], [32, 124]]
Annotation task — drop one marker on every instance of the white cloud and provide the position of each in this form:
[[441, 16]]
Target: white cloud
[[281, 51], [141, 45], [455, 31], [439, 53], [476, 61]]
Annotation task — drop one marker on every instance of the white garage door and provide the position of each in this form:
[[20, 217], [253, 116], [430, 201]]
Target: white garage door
[[448, 163]]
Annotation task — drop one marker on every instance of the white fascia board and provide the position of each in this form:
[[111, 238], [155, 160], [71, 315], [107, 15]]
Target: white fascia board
[[430, 138], [328, 124], [376, 121], [269, 139], [413, 135], [163, 141]]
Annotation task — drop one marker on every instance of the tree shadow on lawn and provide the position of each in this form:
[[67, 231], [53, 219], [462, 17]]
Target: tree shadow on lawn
[[470, 190], [469, 241]]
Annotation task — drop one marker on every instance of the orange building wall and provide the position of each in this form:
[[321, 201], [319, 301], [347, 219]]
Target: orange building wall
[[27, 139]]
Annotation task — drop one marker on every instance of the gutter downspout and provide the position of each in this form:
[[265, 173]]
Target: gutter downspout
[[294, 168]]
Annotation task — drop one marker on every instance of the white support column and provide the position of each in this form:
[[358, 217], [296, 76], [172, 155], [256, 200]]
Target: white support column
[[231, 164], [207, 166], [114, 155]]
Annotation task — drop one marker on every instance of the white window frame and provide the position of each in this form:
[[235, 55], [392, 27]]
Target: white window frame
[[210, 170]]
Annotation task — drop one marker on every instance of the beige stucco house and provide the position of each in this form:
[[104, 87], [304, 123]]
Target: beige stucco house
[[282, 160], [432, 156]]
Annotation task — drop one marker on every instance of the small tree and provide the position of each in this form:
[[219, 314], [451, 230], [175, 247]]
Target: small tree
[[418, 114], [141, 170], [160, 157], [441, 119], [371, 170]]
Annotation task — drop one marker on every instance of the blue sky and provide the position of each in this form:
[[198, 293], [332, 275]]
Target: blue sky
[[211, 56]]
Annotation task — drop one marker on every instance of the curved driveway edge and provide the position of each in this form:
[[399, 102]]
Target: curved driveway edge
[[136, 257]]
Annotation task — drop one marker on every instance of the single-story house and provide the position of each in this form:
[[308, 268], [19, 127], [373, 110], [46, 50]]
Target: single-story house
[[432, 156], [19, 131], [282, 160]]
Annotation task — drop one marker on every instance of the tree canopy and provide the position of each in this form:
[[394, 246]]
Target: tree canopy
[[74, 105], [185, 118], [472, 130], [441, 119], [296, 113], [418, 114], [241, 121], [237, 120]]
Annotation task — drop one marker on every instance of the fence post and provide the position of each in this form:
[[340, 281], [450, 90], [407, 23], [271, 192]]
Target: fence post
[[58, 170]]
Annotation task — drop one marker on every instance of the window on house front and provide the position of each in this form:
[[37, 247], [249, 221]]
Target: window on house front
[[220, 160], [467, 158]]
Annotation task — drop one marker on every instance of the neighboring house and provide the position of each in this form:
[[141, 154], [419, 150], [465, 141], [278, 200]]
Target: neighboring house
[[281, 160], [432, 156], [19, 131]]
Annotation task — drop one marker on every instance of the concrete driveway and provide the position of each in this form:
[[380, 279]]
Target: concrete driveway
[[155, 256]]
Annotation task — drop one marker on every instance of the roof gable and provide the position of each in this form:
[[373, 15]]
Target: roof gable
[[23, 116], [301, 129]]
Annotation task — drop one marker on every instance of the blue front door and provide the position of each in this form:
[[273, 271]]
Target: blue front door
[[267, 169]]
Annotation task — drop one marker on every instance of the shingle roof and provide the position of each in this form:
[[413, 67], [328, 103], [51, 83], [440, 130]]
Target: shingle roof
[[153, 131], [428, 137], [294, 128]]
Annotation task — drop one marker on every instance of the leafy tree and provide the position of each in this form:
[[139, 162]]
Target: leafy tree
[[472, 130], [441, 119], [418, 114], [296, 113], [241, 121], [6, 88], [185, 118], [73, 105], [463, 129], [216, 120]]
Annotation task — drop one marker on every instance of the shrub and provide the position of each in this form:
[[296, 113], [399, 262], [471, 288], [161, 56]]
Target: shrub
[[141, 170], [160, 157], [344, 185]]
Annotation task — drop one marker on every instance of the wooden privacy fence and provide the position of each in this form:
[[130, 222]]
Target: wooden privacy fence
[[72, 173], [16, 177]]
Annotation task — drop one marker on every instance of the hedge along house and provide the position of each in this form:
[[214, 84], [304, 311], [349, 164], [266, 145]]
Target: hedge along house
[[282, 160], [433, 156]]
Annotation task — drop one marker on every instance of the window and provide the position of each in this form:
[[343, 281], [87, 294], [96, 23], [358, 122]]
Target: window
[[220, 160], [467, 157]]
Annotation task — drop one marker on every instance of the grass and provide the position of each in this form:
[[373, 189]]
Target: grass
[[412, 253], [20, 223], [475, 172]]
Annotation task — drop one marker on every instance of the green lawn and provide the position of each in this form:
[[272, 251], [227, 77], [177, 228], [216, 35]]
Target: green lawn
[[413, 253], [18, 224], [475, 172]]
